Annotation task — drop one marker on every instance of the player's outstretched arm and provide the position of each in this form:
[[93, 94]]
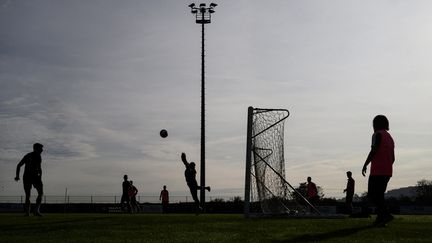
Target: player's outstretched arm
[[183, 158]]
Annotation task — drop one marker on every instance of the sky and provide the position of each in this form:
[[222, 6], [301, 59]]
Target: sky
[[95, 81]]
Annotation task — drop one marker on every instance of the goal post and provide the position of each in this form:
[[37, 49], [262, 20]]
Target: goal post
[[267, 191], [248, 162]]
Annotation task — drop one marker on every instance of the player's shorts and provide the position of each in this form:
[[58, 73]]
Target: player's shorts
[[35, 181], [193, 185]]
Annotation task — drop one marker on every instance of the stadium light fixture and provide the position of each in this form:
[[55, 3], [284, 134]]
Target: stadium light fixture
[[203, 16]]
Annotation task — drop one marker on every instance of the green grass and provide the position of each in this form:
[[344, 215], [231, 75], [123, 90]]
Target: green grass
[[206, 228]]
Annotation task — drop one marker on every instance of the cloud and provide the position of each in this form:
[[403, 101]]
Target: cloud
[[96, 82]]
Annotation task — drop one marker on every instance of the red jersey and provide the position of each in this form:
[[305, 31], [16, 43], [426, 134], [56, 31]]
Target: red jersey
[[164, 195], [312, 190], [382, 161], [133, 191]]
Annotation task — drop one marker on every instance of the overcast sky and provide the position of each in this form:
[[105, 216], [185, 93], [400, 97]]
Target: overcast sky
[[95, 81]]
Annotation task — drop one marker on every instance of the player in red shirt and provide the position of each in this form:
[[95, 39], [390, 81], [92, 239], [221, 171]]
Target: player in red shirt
[[133, 191], [381, 157], [312, 192], [164, 196]]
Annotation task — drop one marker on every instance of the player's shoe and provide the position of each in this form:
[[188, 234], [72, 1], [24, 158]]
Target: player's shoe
[[27, 210], [207, 188], [198, 211], [37, 213], [383, 222], [387, 219]]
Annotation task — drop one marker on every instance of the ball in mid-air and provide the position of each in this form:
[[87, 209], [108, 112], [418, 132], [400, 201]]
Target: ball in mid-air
[[163, 133]]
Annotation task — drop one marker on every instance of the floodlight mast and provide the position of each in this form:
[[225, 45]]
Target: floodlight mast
[[202, 16]]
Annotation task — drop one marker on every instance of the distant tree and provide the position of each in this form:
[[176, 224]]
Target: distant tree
[[356, 198], [328, 200], [218, 200], [405, 199], [424, 191], [364, 197], [320, 192], [302, 189], [237, 199]]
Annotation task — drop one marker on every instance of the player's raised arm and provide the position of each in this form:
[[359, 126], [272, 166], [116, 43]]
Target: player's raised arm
[[183, 158]]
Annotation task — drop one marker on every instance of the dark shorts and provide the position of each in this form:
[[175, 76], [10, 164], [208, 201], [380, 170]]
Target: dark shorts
[[314, 200], [35, 181], [377, 185], [193, 185]]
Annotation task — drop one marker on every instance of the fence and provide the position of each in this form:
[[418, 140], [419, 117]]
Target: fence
[[104, 199]]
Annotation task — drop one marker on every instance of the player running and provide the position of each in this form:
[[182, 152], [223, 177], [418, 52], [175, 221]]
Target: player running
[[190, 175], [32, 177]]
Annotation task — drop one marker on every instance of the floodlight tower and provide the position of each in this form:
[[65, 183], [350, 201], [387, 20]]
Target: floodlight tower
[[202, 16]]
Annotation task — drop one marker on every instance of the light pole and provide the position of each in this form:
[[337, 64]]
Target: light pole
[[202, 16]]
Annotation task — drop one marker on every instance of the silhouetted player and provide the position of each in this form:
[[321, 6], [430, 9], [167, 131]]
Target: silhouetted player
[[125, 194], [349, 192], [190, 175], [164, 196], [381, 157], [32, 177], [133, 191], [312, 192]]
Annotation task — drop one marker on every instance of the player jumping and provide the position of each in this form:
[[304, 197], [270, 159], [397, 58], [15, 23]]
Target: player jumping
[[190, 175]]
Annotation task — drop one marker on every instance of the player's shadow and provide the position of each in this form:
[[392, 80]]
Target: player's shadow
[[311, 237]]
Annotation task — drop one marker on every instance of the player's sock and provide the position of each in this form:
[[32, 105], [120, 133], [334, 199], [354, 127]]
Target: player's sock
[[27, 210], [198, 211]]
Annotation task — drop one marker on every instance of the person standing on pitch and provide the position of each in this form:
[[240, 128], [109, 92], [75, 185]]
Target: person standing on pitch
[[133, 191], [190, 175], [32, 177], [125, 194], [164, 196], [312, 192], [349, 192], [381, 157]]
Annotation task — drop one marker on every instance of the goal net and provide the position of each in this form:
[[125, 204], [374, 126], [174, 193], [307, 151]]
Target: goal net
[[266, 189]]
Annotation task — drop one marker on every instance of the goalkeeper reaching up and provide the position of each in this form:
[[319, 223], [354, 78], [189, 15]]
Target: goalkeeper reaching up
[[190, 175]]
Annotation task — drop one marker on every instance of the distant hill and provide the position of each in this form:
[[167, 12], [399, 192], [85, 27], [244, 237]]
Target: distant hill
[[404, 191]]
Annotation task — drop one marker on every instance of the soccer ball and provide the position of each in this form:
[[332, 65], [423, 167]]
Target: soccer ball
[[163, 133]]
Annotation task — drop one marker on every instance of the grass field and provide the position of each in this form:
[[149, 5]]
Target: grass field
[[206, 228]]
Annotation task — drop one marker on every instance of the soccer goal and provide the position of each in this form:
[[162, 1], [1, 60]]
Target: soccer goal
[[267, 192]]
